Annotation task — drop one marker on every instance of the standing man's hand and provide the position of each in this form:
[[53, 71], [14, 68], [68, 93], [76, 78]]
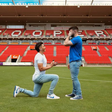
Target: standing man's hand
[[68, 66], [69, 34], [67, 41]]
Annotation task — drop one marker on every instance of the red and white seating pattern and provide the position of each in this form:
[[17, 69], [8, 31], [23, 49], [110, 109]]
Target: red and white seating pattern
[[98, 33], [90, 56], [1, 31], [109, 31], [54, 33], [13, 32], [34, 33]]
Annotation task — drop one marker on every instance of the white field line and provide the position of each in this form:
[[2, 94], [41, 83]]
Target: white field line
[[88, 80]]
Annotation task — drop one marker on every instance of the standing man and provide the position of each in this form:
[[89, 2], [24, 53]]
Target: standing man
[[75, 55], [40, 77]]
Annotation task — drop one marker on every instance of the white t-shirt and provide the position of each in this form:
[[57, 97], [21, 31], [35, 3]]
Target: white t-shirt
[[39, 58]]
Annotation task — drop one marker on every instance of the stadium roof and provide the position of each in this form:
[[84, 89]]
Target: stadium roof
[[56, 2], [57, 14], [80, 11]]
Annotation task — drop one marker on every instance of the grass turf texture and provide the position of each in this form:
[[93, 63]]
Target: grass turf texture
[[97, 91]]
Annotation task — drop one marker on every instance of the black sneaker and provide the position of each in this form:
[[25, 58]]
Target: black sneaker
[[70, 95]]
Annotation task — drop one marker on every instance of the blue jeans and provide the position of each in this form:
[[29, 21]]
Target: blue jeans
[[38, 83], [74, 69]]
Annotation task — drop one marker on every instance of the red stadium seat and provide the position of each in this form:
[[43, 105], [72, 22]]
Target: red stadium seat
[[14, 50], [55, 33], [109, 31], [34, 32], [3, 58], [47, 43], [97, 60], [1, 31], [29, 56], [91, 57], [88, 51], [2, 48], [91, 43], [58, 43], [14, 32], [98, 33], [62, 52]]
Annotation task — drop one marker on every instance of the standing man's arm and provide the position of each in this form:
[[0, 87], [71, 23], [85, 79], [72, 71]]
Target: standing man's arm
[[67, 41]]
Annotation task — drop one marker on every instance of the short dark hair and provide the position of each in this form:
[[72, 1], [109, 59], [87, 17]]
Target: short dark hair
[[37, 46], [74, 28]]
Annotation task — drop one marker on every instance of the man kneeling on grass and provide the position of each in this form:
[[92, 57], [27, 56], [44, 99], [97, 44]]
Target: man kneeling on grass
[[39, 76]]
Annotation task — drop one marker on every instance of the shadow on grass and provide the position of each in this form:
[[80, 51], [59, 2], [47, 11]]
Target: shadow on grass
[[40, 96]]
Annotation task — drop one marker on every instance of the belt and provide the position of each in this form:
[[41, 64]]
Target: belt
[[75, 61]]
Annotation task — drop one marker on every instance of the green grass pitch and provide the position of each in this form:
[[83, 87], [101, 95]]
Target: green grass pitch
[[96, 84]]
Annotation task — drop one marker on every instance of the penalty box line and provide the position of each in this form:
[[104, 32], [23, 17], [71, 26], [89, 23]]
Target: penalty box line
[[88, 80]]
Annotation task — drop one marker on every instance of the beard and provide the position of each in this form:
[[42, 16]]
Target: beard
[[72, 35]]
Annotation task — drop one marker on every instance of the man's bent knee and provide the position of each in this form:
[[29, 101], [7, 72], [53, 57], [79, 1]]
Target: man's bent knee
[[35, 95]]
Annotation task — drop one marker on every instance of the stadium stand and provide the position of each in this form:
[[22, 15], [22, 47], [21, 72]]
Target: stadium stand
[[47, 43], [110, 50], [14, 43], [49, 53], [91, 43], [34, 33], [1, 31], [53, 33], [99, 33], [109, 31], [20, 39], [3, 43], [13, 50], [31, 53], [2, 48], [29, 56], [104, 52], [58, 43], [13, 32], [25, 43], [97, 60], [88, 51], [91, 56], [60, 57], [62, 53], [2, 58]]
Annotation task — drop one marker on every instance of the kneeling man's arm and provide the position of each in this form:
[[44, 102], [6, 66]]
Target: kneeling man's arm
[[41, 68]]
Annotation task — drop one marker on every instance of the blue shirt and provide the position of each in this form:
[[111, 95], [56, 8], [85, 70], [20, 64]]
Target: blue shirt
[[75, 52]]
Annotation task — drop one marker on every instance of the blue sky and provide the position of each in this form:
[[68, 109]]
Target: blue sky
[[21, 1], [60, 2]]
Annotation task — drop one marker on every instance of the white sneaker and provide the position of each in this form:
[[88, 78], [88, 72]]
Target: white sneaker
[[16, 91], [52, 96]]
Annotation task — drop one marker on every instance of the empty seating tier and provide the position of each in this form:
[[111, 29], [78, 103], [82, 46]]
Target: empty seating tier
[[58, 53], [54, 33]]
